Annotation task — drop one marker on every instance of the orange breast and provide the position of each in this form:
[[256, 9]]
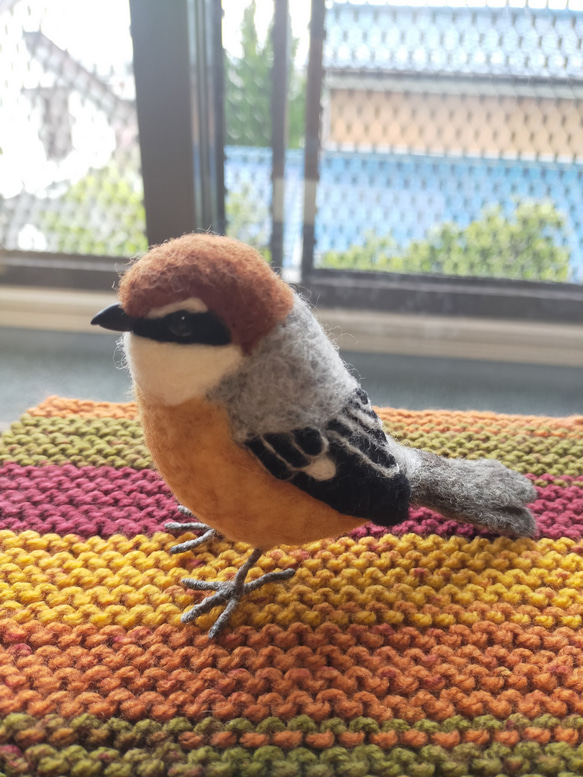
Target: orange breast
[[225, 486]]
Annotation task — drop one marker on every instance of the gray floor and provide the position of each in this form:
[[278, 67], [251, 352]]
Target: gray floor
[[34, 365]]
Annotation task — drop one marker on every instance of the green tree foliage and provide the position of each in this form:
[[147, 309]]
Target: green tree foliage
[[103, 214], [526, 245], [248, 91], [247, 219], [100, 214]]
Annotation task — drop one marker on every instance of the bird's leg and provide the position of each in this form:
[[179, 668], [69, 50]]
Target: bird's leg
[[229, 592], [207, 532]]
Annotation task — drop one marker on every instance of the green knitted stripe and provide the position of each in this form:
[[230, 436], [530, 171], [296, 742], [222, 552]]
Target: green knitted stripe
[[86, 746], [118, 442], [170, 760], [536, 454], [88, 729], [114, 442]]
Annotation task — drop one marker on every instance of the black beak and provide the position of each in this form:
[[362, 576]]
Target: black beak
[[115, 318]]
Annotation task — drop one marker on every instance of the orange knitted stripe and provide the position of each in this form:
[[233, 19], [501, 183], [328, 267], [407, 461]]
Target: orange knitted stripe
[[439, 421], [54, 407], [321, 673]]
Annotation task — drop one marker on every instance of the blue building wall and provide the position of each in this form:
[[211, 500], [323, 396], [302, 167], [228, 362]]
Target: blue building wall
[[405, 195]]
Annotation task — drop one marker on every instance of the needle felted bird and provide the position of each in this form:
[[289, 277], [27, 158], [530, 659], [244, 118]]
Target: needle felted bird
[[258, 427]]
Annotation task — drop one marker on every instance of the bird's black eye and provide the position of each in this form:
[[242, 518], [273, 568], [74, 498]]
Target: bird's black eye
[[181, 323], [183, 327]]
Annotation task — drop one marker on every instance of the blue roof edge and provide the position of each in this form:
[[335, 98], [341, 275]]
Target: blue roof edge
[[486, 9]]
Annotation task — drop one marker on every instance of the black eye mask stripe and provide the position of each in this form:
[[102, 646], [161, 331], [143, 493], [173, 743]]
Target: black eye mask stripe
[[201, 328]]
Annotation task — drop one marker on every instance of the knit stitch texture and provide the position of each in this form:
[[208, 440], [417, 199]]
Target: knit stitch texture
[[433, 650]]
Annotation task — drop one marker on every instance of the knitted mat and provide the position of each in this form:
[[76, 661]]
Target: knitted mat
[[434, 650]]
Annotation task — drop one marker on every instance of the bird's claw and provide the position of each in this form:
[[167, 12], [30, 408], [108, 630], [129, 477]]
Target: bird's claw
[[227, 594], [192, 526], [230, 592], [207, 532], [190, 544]]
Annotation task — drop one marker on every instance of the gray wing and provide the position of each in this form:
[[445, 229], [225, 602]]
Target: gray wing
[[346, 464]]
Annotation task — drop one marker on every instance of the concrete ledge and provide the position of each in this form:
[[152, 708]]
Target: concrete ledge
[[23, 307], [524, 342], [366, 331]]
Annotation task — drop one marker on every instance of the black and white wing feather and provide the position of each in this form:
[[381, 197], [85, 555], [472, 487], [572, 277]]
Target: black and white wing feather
[[347, 464]]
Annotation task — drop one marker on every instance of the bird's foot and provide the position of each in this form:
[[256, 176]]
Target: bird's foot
[[207, 532], [229, 592]]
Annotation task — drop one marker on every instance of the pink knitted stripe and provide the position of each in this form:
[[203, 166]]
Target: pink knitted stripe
[[84, 500], [107, 500]]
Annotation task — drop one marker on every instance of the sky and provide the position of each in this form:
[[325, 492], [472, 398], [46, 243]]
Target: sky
[[93, 31]]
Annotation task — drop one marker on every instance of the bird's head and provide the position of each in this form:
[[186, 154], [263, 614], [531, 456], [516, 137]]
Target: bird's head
[[192, 310]]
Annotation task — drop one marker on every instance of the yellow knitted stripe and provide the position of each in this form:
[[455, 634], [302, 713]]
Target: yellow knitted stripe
[[408, 580]]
